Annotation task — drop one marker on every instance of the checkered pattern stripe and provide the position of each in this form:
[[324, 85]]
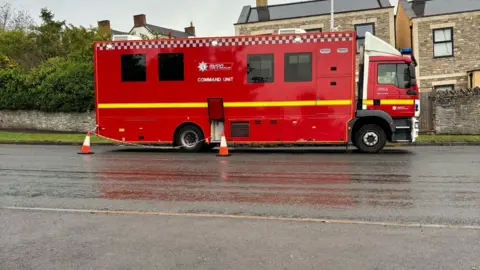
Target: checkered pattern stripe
[[240, 41]]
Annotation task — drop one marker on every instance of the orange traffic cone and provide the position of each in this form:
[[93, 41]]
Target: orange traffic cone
[[86, 146], [223, 147]]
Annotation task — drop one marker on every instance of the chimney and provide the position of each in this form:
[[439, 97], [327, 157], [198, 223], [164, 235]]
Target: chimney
[[263, 11], [139, 20], [104, 26], [190, 30], [262, 3], [418, 7]]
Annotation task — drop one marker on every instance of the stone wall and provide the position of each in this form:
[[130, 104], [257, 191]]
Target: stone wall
[[458, 112], [59, 122], [466, 48]]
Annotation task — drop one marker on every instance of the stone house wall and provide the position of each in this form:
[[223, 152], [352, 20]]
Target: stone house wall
[[443, 71]]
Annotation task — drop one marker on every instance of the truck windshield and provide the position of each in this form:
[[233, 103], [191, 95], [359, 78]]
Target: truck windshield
[[396, 74]]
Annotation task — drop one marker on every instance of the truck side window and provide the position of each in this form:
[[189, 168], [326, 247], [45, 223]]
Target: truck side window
[[134, 68], [260, 68], [171, 67], [387, 74], [394, 74], [298, 67]]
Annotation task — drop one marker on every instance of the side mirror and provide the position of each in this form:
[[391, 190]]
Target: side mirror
[[413, 82], [412, 92], [411, 69]]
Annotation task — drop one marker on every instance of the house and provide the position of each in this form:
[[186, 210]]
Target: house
[[445, 36], [141, 27], [375, 16], [144, 30]]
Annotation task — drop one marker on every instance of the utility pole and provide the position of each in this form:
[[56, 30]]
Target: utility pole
[[332, 11]]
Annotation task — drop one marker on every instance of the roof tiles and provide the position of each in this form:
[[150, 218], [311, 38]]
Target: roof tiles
[[307, 8]]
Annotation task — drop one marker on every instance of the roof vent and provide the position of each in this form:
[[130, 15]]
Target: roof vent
[[291, 31], [125, 37]]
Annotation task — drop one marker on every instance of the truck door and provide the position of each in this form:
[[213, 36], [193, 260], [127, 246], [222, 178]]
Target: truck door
[[300, 78], [334, 66], [389, 83], [385, 82]]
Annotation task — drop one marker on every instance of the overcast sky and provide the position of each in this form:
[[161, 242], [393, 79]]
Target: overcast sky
[[211, 17]]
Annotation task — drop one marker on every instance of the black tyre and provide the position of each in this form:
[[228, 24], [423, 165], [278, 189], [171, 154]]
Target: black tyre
[[190, 138], [354, 143], [370, 139]]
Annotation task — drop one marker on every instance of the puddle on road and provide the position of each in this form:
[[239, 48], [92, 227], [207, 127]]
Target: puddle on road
[[236, 182]]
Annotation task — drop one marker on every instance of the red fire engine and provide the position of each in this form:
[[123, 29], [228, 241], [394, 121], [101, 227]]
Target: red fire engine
[[281, 88]]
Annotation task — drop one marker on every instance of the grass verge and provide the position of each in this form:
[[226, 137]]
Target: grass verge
[[51, 138], [442, 139]]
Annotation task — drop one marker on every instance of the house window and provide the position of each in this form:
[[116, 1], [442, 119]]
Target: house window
[[313, 30], [361, 30], [447, 87], [260, 68], [171, 67], [443, 42], [394, 74], [298, 67], [134, 68]]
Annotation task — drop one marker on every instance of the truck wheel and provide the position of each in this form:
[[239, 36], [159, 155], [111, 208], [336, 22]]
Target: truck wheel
[[190, 138], [370, 139]]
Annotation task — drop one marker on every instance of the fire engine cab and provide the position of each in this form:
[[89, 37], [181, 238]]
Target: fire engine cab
[[293, 88]]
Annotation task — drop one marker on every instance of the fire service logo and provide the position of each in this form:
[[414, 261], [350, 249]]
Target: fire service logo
[[203, 67]]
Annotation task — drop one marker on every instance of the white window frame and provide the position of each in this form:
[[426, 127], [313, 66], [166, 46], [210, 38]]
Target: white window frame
[[444, 87]]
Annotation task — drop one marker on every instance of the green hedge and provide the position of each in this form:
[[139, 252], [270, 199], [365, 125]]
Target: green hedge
[[14, 92], [57, 85]]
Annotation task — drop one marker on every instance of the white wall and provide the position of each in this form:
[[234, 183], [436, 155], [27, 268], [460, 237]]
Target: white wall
[[139, 31]]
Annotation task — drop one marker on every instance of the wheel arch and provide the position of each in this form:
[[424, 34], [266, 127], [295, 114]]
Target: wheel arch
[[182, 125], [380, 118]]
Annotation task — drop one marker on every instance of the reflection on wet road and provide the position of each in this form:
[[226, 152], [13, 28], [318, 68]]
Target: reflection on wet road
[[424, 184]]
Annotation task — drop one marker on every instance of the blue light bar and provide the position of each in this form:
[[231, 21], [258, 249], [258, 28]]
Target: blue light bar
[[406, 51]]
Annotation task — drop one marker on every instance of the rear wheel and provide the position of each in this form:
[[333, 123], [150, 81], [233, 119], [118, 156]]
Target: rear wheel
[[370, 139], [190, 138]]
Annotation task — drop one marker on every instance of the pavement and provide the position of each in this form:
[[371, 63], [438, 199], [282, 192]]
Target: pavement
[[123, 208]]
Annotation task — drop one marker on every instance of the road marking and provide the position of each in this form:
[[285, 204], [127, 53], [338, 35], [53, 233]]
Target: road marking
[[315, 220]]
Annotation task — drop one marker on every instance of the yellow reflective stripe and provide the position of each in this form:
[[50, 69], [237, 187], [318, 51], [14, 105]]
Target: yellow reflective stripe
[[151, 105], [368, 102], [397, 102], [391, 102], [270, 104], [302, 103], [334, 102]]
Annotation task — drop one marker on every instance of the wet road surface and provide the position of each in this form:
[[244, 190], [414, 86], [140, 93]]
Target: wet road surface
[[426, 185]]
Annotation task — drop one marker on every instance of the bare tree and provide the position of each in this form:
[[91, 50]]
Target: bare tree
[[12, 19]]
